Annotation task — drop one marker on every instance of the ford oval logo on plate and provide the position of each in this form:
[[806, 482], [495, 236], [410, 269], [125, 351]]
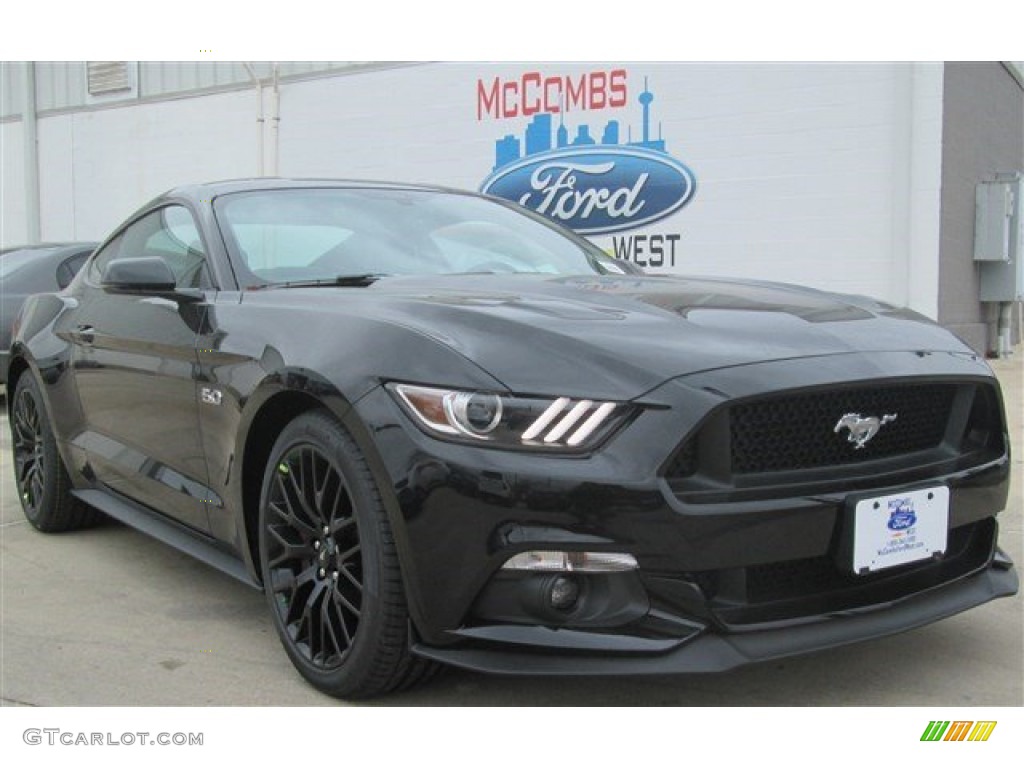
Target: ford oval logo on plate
[[596, 190], [900, 521]]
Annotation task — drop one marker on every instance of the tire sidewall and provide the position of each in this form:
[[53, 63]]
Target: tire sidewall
[[41, 517]]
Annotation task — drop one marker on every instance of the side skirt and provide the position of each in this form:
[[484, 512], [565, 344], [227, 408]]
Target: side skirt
[[169, 532]]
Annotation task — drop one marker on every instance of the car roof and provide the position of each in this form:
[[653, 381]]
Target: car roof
[[206, 191], [68, 245]]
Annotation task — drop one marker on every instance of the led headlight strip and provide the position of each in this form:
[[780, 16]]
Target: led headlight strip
[[566, 421], [509, 420]]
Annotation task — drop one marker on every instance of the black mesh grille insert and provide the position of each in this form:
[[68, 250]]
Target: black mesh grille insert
[[798, 431], [684, 463], [968, 545]]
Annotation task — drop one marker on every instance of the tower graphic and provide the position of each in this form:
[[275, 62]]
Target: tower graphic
[[645, 100]]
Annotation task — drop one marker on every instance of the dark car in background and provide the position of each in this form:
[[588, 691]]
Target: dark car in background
[[435, 428], [30, 269]]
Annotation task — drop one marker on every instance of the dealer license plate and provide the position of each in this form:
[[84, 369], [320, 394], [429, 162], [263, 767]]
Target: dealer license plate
[[899, 528]]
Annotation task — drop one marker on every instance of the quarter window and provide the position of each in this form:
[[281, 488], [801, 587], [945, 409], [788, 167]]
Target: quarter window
[[69, 268], [103, 257]]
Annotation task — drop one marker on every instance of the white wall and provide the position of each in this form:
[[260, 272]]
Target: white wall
[[12, 185], [123, 157], [923, 150], [97, 167], [824, 174]]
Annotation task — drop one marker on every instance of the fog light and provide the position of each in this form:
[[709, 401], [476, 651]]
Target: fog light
[[564, 593]]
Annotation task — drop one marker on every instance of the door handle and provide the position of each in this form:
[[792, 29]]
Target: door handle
[[85, 334]]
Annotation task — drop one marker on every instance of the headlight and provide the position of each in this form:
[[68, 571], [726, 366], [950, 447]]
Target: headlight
[[506, 421]]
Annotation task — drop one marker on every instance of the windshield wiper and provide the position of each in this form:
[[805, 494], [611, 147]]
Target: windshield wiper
[[355, 281]]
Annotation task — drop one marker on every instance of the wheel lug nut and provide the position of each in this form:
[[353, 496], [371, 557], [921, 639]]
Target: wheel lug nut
[[316, 545], [326, 530], [334, 575], [322, 573]]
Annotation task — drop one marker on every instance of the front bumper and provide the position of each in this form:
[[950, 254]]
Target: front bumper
[[513, 652], [714, 588]]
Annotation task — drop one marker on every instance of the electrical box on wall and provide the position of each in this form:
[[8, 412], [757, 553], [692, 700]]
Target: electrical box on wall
[[999, 237]]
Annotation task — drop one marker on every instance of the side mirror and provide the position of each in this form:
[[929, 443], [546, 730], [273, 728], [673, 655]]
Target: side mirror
[[149, 273]]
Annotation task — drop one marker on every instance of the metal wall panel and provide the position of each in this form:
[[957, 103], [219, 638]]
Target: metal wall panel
[[10, 88], [168, 78], [60, 84], [64, 84]]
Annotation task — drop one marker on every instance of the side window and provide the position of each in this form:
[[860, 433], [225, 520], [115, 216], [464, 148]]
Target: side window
[[169, 233]]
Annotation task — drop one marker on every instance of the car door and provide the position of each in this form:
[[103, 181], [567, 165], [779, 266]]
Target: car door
[[135, 366]]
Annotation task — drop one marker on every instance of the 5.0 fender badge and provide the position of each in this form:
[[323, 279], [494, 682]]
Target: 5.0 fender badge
[[210, 396], [862, 428]]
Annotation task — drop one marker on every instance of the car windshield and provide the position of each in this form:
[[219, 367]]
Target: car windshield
[[13, 260], [287, 235]]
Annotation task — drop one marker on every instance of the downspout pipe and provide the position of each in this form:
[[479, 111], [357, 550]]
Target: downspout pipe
[[30, 136], [260, 149], [275, 124], [1004, 343]]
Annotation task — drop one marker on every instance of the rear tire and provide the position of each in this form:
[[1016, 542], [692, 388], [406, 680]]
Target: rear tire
[[41, 479], [330, 570]]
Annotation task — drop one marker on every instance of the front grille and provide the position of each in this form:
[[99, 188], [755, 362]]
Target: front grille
[[798, 432]]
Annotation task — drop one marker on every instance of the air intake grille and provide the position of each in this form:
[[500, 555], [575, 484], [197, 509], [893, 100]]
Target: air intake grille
[[798, 431]]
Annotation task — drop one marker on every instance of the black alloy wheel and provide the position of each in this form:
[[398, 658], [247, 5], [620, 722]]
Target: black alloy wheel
[[41, 478], [314, 560], [330, 570]]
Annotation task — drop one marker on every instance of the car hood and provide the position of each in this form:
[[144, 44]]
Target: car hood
[[623, 336]]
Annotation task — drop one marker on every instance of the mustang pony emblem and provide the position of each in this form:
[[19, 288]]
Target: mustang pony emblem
[[862, 428]]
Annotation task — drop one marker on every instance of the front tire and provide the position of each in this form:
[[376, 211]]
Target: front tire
[[41, 478], [330, 570]]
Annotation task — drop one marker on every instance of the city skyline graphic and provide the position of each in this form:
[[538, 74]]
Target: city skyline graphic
[[539, 134]]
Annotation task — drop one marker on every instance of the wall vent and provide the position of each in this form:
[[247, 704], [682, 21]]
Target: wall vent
[[108, 77]]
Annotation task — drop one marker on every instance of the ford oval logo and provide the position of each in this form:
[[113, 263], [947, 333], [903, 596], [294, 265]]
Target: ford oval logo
[[596, 190], [900, 521]]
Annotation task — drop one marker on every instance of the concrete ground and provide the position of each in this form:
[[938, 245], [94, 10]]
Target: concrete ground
[[111, 617]]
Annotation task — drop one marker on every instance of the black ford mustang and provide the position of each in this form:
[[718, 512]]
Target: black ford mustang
[[435, 428]]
